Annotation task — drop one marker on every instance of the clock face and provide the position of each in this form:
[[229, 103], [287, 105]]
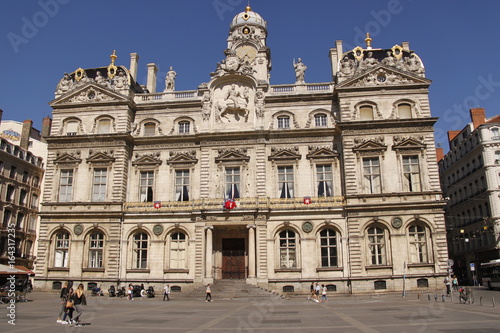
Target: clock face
[[246, 53]]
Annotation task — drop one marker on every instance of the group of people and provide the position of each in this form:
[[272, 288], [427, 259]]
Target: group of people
[[71, 301], [316, 290], [451, 283]]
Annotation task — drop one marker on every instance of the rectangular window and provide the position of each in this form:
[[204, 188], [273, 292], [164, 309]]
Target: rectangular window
[[232, 183], [411, 173], [10, 193], [72, 128], [99, 185], [104, 126], [324, 180], [284, 122], [182, 185], [32, 223], [146, 186], [184, 127], [25, 176], [20, 221], [13, 172], [66, 186], [34, 201], [61, 250], [6, 218], [22, 197], [95, 252], [376, 244], [371, 175], [285, 182]]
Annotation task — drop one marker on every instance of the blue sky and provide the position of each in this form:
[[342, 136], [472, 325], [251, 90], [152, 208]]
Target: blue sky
[[42, 39]]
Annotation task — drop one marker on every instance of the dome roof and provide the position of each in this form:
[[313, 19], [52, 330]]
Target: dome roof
[[248, 17]]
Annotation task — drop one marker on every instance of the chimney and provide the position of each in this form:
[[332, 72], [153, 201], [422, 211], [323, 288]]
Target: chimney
[[151, 81], [452, 135], [439, 154], [26, 134], [477, 116], [335, 53], [134, 62], [406, 46], [46, 126]]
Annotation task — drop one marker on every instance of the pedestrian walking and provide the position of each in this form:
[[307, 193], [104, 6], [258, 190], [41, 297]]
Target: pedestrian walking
[[69, 307], [317, 290], [143, 294], [166, 292], [323, 294], [312, 292], [454, 283], [130, 294], [63, 296], [446, 282], [208, 291], [79, 301]]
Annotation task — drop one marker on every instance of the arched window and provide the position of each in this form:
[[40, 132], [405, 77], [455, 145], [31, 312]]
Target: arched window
[[61, 249], [287, 249], [404, 111], [283, 122], [96, 247], [72, 127], [104, 126], [417, 235], [149, 129], [140, 250], [328, 241], [184, 127], [366, 112], [320, 120], [377, 246], [178, 247]]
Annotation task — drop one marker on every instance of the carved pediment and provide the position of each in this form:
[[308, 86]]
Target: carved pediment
[[68, 158], [321, 153], [408, 143], [89, 93], [100, 157], [182, 158], [232, 155], [152, 159], [373, 145], [383, 75], [284, 154]]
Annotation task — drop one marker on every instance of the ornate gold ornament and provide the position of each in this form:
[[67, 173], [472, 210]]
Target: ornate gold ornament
[[397, 51], [358, 53], [79, 73], [112, 68], [368, 41]]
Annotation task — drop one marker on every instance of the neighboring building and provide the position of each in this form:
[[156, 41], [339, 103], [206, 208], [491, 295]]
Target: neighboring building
[[21, 176], [470, 178], [281, 185]]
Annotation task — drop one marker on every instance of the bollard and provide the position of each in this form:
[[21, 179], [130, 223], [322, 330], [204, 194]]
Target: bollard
[[428, 297], [418, 296], [493, 300], [436, 297], [481, 301], [442, 298]]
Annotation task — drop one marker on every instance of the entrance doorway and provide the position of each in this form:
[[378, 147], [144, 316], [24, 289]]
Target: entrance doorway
[[233, 258]]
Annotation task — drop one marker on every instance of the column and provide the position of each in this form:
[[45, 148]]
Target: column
[[209, 252], [251, 250]]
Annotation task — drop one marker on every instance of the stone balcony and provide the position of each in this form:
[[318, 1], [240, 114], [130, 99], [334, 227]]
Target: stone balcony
[[260, 203]]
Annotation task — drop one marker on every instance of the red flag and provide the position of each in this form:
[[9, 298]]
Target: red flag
[[230, 204], [157, 204], [307, 200]]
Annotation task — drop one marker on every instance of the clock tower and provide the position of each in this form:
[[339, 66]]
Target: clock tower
[[247, 39]]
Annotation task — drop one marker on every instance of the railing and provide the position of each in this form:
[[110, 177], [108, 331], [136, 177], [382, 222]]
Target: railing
[[302, 88], [242, 203], [166, 96]]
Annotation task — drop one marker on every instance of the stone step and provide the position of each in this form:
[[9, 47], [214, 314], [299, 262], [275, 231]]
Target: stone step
[[233, 290]]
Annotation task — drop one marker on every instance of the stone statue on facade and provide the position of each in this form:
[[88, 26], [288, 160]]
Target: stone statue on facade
[[389, 60], [170, 80], [65, 85], [300, 71], [120, 81], [235, 102], [206, 106], [259, 104], [414, 64], [101, 80], [346, 66]]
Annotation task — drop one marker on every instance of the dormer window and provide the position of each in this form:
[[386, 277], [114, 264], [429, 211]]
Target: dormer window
[[320, 120], [366, 112], [184, 127], [495, 133], [283, 122]]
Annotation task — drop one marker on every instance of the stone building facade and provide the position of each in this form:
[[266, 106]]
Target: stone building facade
[[281, 185], [22, 153], [470, 181]]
